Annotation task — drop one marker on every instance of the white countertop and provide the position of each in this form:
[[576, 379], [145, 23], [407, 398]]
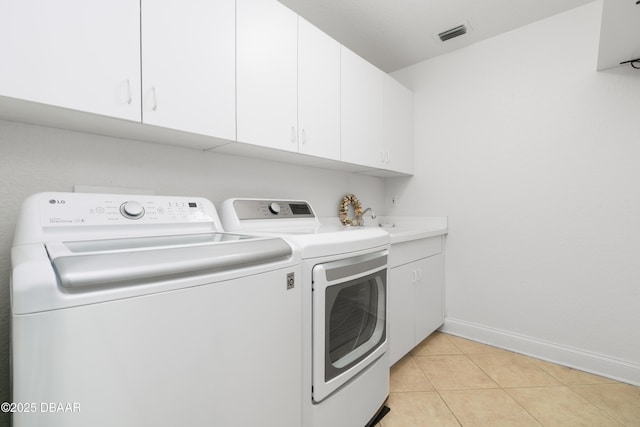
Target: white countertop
[[404, 229]]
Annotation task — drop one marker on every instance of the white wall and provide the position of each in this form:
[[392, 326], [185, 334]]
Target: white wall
[[535, 158], [34, 159]]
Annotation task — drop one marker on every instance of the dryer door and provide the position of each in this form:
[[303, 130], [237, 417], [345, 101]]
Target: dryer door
[[349, 319]]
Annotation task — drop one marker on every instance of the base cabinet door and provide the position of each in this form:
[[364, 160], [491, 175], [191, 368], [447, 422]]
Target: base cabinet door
[[428, 301], [401, 316], [416, 303], [77, 54]]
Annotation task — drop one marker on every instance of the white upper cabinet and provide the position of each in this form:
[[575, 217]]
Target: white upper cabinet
[[266, 55], [398, 127], [251, 71], [188, 65], [318, 92], [361, 91], [619, 33], [77, 54], [376, 117]]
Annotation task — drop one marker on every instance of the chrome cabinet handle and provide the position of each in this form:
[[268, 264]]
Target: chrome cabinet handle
[[129, 98], [293, 134], [155, 99], [303, 137]]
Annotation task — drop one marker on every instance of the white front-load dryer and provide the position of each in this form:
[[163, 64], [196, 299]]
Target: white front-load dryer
[[345, 362]]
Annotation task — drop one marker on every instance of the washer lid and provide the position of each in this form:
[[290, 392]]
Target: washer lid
[[61, 275], [127, 262]]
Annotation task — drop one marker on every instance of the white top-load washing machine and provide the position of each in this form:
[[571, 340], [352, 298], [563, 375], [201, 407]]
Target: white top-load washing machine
[[345, 360], [137, 311]]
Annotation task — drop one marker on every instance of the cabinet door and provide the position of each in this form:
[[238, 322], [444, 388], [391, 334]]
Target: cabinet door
[[78, 54], [401, 294], [361, 111], [188, 65], [619, 33], [428, 302], [318, 92], [398, 126], [266, 55]]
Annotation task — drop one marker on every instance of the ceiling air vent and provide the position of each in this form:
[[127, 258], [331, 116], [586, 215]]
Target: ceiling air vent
[[453, 32]]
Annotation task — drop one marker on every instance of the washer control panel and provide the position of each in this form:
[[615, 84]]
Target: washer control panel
[[65, 209], [271, 209]]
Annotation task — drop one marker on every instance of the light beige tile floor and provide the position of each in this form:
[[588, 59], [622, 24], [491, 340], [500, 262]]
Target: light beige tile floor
[[450, 381]]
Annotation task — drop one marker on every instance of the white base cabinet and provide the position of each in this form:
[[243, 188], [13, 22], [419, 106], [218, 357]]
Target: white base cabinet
[[415, 293]]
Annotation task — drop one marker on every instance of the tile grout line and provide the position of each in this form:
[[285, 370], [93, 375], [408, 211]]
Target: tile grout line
[[438, 391], [561, 384], [502, 388], [449, 407], [567, 383], [435, 389], [595, 405]]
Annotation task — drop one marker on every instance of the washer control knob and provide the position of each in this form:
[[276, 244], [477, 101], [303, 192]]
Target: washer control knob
[[274, 208], [132, 210]]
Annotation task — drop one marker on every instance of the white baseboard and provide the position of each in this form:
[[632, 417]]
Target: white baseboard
[[598, 364]]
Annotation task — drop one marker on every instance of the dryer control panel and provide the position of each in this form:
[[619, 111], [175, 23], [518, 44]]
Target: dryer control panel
[[271, 209]]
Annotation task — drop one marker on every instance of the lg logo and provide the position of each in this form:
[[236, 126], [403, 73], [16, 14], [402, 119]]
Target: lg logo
[[57, 202]]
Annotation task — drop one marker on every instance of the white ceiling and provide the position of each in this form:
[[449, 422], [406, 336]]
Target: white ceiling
[[393, 34]]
